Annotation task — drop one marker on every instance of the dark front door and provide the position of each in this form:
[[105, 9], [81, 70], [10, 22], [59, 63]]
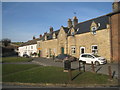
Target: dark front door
[[39, 53], [62, 50]]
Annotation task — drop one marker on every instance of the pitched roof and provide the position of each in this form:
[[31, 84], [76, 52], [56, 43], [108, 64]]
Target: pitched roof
[[50, 35], [30, 42], [84, 27], [66, 29]]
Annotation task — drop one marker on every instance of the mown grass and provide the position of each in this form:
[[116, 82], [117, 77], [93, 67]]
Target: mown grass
[[13, 68], [15, 59], [51, 74]]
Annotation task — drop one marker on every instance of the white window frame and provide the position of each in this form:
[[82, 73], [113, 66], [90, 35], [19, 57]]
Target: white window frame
[[31, 47], [82, 48], [72, 33], [96, 50], [73, 49], [54, 36], [94, 31]]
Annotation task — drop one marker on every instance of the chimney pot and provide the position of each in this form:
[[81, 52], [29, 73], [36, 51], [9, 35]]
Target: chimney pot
[[40, 35]]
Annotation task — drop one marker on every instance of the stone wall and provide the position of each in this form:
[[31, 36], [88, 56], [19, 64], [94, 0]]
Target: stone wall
[[48, 48], [101, 39]]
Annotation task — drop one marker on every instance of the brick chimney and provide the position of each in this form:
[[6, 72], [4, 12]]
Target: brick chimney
[[75, 21], [69, 23], [33, 37], [51, 29], [116, 6]]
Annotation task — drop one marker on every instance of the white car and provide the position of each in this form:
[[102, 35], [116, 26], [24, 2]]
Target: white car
[[89, 58]]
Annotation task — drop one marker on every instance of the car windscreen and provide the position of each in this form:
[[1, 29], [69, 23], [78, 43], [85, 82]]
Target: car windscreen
[[84, 55]]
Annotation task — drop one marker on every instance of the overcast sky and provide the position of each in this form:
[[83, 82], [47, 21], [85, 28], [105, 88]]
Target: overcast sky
[[23, 20]]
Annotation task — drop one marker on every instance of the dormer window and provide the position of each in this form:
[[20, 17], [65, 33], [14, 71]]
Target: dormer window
[[54, 36], [72, 33], [93, 29], [45, 37]]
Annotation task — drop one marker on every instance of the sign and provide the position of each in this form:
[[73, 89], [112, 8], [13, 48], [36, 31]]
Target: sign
[[39, 48]]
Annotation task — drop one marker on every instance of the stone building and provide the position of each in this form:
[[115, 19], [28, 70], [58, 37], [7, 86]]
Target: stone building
[[99, 35]]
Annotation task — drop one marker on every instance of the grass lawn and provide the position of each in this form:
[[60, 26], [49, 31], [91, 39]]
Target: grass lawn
[[13, 68], [51, 74], [15, 59]]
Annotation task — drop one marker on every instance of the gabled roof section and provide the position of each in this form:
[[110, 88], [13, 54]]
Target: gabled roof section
[[50, 35], [84, 27], [66, 29]]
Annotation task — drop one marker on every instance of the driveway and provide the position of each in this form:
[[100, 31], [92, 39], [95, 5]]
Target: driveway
[[98, 69]]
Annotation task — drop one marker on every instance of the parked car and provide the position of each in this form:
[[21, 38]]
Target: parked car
[[25, 55], [63, 56], [89, 58]]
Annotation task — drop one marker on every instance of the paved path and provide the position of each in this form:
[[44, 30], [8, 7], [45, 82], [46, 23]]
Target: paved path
[[99, 69]]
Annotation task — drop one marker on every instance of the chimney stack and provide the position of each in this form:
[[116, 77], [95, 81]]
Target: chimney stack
[[51, 29], [40, 35], [45, 33], [33, 37], [75, 21], [116, 6], [69, 23]]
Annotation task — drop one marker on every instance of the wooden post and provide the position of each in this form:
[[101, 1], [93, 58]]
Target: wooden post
[[79, 66], [93, 68], [109, 72], [70, 74], [84, 67]]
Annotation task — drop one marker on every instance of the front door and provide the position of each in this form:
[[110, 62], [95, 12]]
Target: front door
[[82, 50], [39, 53], [62, 50]]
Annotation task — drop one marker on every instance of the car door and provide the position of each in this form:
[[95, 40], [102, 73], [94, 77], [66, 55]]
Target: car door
[[83, 57], [90, 59]]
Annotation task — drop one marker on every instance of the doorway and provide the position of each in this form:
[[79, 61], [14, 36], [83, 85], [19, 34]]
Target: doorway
[[82, 50], [62, 50]]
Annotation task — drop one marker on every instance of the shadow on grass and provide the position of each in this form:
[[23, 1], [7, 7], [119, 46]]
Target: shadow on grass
[[98, 69], [113, 74], [77, 75]]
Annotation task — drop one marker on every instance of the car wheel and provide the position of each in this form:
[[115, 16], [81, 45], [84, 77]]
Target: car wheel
[[97, 63]]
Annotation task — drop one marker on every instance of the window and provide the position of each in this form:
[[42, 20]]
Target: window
[[45, 37], [54, 36], [84, 55], [54, 50], [94, 49], [31, 47], [72, 33], [73, 50], [89, 56], [94, 29]]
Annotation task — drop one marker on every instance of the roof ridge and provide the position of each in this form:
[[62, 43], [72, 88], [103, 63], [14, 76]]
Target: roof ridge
[[92, 19]]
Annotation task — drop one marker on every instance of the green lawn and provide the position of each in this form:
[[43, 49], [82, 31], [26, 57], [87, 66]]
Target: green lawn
[[13, 68], [50, 74], [15, 59]]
